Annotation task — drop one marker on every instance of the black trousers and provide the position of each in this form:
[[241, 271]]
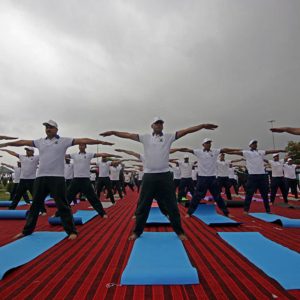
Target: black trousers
[[138, 185], [158, 185], [224, 182], [278, 182], [204, 184], [13, 193], [83, 185], [24, 186], [234, 183], [186, 185], [291, 183], [105, 182], [55, 186], [260, 182], [176, 183], [117, 186]]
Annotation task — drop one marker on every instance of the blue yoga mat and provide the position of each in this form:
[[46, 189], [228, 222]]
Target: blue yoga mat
[[157, 217], [207, 214], [80, 218], [7, 203], [26, 249], [13, 214], [159, 258], [283, 221], [276, 261]]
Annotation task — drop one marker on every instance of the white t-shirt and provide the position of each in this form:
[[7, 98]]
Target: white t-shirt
[[223, 168], [127, 177], [104, 168], [185, 169], [69, 171], [52, 155], [28, 166], [93, 176], [277, 167], [255, 161], [82, 164], [115, 172], [289, 171], [176, 172], [207, 161], [16, 175], [156, 151]]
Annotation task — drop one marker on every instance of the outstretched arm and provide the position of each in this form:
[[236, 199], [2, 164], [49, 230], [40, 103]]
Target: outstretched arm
[[19, 143], [132, 153], [88, 141], [7, 165], [4, 137], [183, 150], [124, 135], [237, 160], [10, 152], [107, 155], [237, 152], [274, 151], [229, 150], [291, 130], [183, 132]]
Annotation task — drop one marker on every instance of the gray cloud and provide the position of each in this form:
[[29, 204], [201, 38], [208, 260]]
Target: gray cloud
[[100, 65]]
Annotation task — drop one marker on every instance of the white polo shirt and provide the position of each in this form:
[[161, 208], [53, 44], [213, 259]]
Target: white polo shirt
[[157, 151], [52, 155], [82, 164], [185, 169], [69, 171], [115, 172], [29, 166], [104, 168], [93, 176], [277, 167], [176, 172], [223, 168], [255, 161], [207, 161], [289, 171], [127, 177], [16, 175]]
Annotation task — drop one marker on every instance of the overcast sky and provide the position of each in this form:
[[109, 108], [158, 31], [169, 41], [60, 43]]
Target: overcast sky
[[101, 65]]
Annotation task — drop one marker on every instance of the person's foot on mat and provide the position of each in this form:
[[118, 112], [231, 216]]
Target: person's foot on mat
[[72, 236], [182, 237], [230, 216], [105, 216], [132, 237], [18, 236], [187, 216], [245, 213], [133, 217]]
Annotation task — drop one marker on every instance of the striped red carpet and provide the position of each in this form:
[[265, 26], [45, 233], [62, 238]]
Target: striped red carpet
[[91, 266]]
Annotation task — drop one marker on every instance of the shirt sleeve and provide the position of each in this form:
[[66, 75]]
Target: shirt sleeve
[[245, 153], [72, 155], [196, 152], [37, 143], [262, 152], [142, 138], [68, 142]]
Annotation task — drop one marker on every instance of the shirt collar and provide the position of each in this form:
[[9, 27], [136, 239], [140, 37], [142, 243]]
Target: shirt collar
[[154, 134], [56, 136]]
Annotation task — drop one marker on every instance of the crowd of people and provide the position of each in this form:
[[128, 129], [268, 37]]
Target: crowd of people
[[154, 174]]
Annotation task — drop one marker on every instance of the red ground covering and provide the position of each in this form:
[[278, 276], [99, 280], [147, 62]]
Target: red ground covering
[[81, 269]]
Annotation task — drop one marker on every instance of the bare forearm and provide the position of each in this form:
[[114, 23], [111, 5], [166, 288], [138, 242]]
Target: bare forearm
[[19, 143], [89, 141], [124, 135], [291, 130], [196, 128], [275, 151], [4, 137], [10, 152]]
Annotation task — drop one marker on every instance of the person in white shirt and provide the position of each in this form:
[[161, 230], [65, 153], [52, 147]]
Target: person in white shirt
[[207, 172], [93, 177], [115, 169], [29, 164], [223, 174], [157, 178], [289, 170], [81, 181], [176, 175], [233, 179], [16, 180], [194, 175], [68, 172], [103, 178], [186, 182], [50, 176], [257, 178], [277, 178]]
